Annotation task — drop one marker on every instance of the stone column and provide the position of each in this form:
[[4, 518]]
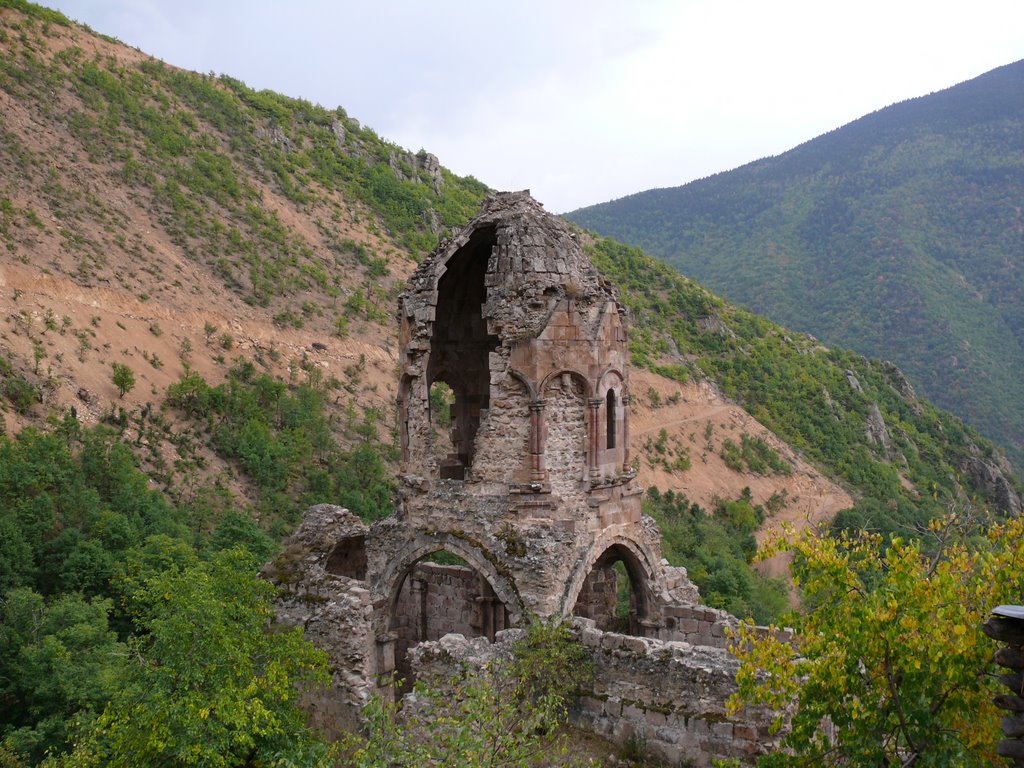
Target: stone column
[[385, 656], [595, 434], [537, 472], [418, 598]]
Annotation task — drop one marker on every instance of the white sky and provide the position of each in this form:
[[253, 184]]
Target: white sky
[[581, 101]]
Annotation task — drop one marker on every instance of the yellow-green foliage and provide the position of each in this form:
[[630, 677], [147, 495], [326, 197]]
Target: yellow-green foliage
[[890, 650]]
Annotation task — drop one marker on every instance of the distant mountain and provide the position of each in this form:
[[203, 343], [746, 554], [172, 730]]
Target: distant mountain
[[900, 235]]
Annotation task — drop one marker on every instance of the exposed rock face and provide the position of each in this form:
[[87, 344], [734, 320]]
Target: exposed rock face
[[407, 166], [991, 476], [533, 494], [338, 129], [275, 135], [877, 432]]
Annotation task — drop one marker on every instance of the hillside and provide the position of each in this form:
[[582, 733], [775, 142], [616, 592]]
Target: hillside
[[197, 341], [899, 235], [194, 230]]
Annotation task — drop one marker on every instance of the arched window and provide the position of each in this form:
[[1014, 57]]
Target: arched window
[[460, 347], [610, 415]]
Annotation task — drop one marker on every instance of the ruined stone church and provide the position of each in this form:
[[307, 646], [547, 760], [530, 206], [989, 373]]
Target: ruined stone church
[[513, 415]]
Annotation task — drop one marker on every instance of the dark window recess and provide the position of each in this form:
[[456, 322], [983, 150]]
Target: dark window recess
[[348, 558], [610, 408]]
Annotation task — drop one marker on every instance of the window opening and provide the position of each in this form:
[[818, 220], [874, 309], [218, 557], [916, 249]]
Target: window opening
[[460, 347], [610, 416]]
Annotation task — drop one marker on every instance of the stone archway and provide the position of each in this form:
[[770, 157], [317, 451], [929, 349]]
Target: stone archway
[[441, 595], [460, 345], [419, 600], [614, 586]]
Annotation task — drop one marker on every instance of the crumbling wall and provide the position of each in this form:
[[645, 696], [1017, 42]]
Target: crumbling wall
[[503, 440], [669, 696], [335, 611]]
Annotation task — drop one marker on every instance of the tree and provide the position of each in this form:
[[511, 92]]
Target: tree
[[59, 663], [207, 682], [888, 665], [124, 378]]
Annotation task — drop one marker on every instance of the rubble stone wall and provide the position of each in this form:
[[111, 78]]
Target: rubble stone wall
[[503, 441], [566, 436], [669, 695]]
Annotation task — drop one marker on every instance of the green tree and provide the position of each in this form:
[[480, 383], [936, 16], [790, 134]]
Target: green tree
[[890, 654], [59, 663], [207, 683], [124, 378]]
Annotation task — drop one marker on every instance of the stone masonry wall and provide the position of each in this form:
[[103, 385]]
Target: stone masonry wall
[[438, 599], [696, 624], [670, 695]]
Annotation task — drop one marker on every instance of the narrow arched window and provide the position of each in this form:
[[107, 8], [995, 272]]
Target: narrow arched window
[[610, 416]]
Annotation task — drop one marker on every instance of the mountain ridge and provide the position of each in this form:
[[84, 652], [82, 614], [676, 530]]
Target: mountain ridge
[[907, 211]]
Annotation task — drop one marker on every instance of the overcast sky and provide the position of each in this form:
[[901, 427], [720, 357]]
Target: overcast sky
[[581, 101]]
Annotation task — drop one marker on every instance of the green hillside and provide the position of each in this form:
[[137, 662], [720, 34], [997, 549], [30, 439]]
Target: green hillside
[[257, 243], [822, 401], [900, 235]]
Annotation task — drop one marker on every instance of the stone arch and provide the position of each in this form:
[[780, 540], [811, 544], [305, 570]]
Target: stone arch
[[460, 344], [390, 580], [614, 447], [426, 600], [583, 380], [592, 587], [611, 378], [531, 388]]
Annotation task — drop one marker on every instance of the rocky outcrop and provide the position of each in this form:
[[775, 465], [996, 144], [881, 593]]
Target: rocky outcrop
[[877, 432], [991, 476]]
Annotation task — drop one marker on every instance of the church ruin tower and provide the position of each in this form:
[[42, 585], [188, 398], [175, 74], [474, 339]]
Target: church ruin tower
[[516, 497], [530, 342], [514, 418]]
